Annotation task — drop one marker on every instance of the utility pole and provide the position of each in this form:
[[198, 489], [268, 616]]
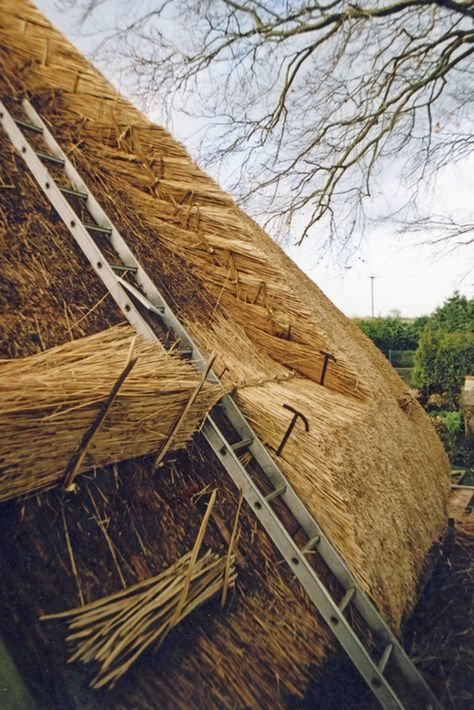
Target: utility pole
[[372, 294]]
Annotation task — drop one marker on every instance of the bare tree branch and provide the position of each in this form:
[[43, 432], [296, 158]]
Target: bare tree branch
[[309, 100]]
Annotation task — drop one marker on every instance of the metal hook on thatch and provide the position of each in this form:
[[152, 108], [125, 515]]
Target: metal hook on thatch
[[327, 357], [296, 415]]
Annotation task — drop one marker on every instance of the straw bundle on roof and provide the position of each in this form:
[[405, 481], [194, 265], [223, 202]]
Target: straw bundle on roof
[[373, 474], [116, 630], [50, 400]]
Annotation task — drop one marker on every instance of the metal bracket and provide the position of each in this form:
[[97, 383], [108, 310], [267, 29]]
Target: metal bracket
[[327, 357], [296, 415]]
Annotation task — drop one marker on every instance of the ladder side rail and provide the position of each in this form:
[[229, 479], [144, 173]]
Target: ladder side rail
[[121, 247], [73, 222], [331, 557], [293, 502], [118, 242], [87, 244], [313, 586]]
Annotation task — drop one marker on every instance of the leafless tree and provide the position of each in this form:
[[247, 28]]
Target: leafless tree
[[305, 102]]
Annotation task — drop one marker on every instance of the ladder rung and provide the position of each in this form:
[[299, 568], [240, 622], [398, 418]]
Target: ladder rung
[[97, 228], [30, 126], [122, 267], [141, 298], [387, 652], [311, 544], [346, 599], [185, 352], [243, 444], [51, 158], [274, 494], [74, 193]]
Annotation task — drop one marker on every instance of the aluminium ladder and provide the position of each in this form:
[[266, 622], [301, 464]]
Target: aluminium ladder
[[143, 295]]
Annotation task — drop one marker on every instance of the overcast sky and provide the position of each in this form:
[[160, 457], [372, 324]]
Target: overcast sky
[[410, 276]]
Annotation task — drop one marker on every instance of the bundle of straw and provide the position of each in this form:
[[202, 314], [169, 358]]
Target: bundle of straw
[[52, 403], [116, 630]]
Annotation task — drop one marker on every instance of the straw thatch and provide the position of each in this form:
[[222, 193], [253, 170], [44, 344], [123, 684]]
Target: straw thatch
[[374, 474], [50, 401]]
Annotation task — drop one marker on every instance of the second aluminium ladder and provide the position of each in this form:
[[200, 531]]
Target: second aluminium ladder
[[132, 299]]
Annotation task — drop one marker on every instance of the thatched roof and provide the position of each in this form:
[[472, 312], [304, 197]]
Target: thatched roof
[[371, 468]]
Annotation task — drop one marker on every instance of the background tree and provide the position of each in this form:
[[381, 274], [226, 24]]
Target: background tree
[[306, 101], [445, 353], [393, 333]]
